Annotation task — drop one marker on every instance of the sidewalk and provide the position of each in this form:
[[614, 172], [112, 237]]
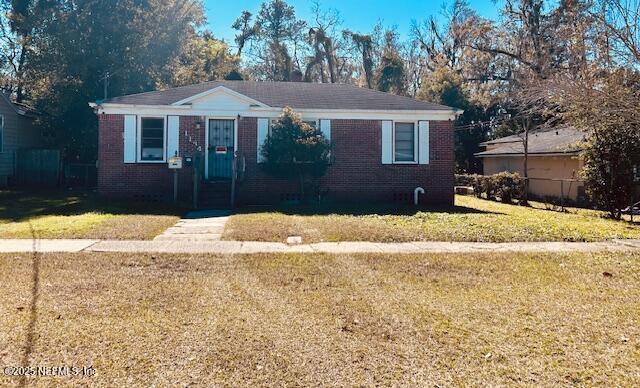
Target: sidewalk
[[199, 225], [230, 247]]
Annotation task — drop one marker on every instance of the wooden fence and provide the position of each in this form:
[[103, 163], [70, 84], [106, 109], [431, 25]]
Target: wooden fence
[[45, 168], [38, 167]]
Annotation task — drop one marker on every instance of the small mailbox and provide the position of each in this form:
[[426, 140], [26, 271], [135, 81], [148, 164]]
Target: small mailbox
[[175, 162], [221, 150]]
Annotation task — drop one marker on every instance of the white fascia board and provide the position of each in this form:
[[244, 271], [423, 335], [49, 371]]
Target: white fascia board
[[216, 90], [536, 155], [141, 106], [134, 109], [366, 114], [336, 114]]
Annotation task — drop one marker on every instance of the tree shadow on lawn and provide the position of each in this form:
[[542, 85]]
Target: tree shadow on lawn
[[358, 209], [17, 206], [33, 306]]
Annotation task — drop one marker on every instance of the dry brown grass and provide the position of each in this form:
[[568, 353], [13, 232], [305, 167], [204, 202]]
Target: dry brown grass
[[322, 319], [472, 219], [67, 214]]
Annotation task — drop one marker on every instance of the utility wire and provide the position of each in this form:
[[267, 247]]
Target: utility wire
[[480, 124]]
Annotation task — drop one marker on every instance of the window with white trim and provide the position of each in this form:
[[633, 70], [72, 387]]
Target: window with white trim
[[152, 139], [272, 122], [1, 133], [404, 143]]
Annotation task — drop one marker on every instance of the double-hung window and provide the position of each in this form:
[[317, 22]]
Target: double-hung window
[[404, 143], [152, 139], [272, 123]]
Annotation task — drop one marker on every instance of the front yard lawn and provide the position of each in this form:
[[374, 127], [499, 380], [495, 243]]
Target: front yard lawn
[[311, 319], [471, 219], [66, 214]]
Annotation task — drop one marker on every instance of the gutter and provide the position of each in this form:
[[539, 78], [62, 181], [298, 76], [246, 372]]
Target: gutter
[[99, 103], [568, 153]]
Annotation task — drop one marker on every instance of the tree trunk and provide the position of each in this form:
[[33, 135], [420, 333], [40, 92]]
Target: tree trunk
[[20, 74], [525, 194], [368, 71], [328, 49]]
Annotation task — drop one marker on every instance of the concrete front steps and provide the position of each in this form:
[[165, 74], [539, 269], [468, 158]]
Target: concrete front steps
[[215, 195]]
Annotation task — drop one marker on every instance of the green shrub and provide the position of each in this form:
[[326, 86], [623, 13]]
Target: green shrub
[[504, 185], [507, 186], [474, 180], [465, 179], [297, 151]]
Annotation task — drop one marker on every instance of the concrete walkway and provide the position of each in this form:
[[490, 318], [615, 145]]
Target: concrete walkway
[[202, 225], [188, 246]]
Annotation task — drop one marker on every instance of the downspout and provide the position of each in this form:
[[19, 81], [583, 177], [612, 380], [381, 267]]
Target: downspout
[[416, 192]]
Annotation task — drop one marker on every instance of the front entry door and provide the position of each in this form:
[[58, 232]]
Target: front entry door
[[221, 148]]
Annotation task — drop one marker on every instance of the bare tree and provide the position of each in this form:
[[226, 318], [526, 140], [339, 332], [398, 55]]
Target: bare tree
[[17, 34], [10, 51], [324, 40], [445, 44], [620, 21], [537, 41]]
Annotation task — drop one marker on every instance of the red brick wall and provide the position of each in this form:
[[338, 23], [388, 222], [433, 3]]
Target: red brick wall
[[143, 180], [356, 174]]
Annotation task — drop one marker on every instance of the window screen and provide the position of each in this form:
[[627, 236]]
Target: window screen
[[405, 142], [152, 139]]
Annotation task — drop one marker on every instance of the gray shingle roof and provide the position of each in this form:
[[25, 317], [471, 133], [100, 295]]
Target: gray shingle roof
[[544, 141], [300, 95], [20, 108]]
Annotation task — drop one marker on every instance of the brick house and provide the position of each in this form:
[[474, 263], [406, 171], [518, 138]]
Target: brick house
[[383, 146]]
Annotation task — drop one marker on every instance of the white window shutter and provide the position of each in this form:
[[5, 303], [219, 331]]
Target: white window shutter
[[423, 142], [387, 142], [129, 137], [263, 131], [325, 128], [173, 135]]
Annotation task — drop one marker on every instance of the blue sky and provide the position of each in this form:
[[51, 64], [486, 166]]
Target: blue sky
[[357, 15]]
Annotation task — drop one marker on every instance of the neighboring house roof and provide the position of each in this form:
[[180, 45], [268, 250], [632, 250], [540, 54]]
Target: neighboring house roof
[[298, 95], [20, 108], [544, 141]]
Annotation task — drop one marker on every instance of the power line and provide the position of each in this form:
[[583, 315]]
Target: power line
[[482, 124], [479, 124]]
